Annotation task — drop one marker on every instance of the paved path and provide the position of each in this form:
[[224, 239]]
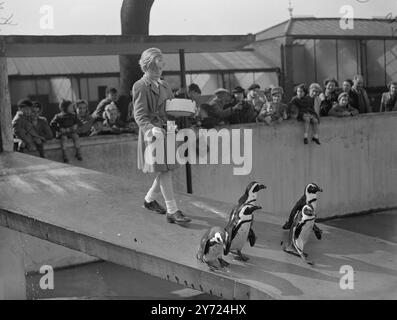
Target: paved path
[[102, 215]]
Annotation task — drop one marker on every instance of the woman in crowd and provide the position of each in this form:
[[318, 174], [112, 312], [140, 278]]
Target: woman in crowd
[[150, 94], [329, 97], [343, 109]]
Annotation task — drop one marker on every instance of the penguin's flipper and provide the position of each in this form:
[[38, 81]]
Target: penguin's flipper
[[252, 237], [204, 246], [317, 232]]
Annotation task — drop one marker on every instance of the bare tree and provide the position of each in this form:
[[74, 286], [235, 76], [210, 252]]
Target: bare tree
[[135, 18]]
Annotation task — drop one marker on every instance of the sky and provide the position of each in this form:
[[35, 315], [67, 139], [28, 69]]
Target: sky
[[176, 16]]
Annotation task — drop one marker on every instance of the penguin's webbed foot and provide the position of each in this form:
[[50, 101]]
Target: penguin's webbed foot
[[241, 257], [223, 263], [213, 267], [305, 258], [291, 251]]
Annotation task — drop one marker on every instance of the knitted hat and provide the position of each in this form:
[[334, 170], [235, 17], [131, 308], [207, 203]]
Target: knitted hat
[[277, 90]]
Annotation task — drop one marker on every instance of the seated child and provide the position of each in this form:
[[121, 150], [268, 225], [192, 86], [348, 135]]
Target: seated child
[[275, 111], [41, 126], [86, 120], [112, 123], [343, 108], [24, 131], [303, 107], [66, 124]]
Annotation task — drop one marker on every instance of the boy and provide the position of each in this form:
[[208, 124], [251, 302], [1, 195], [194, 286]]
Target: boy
[[111, 96], [85, 118], [275, 111], [29, 139], [41, 126], [66, 124]]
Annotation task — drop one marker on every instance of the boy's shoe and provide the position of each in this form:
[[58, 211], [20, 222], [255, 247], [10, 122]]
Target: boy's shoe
[[66, 160], [79, 157], [316, 140], [154, 206], [178, 218], [305, 140]]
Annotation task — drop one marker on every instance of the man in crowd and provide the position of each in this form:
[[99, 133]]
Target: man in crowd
[[247, 114], [218, 109], [360, 99], [253, 96]]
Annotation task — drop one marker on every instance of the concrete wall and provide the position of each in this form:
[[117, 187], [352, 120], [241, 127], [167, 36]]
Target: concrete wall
[[356, 165]]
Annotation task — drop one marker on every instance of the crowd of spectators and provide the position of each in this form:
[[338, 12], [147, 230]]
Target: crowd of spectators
[[32, 131], [267, 106], [308, 105]]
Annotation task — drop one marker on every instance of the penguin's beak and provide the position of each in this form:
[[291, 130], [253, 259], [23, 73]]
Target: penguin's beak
[[320, 190], [262, 187], [255, 207]]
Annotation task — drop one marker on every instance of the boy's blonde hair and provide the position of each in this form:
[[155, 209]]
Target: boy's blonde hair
[[148, 57], [110, 107]]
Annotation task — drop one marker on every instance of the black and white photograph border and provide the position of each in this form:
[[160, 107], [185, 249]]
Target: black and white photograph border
[[184, 150]]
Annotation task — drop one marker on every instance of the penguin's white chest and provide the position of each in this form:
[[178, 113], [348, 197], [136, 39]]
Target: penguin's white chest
[[301, 241], [215, 252], [241, 236]]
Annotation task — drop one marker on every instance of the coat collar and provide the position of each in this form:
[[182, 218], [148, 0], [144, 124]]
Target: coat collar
[[156, 89]]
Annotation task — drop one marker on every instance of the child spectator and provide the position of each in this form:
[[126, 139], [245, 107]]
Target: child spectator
[[97, 127], [112, 123], [343, 109], [111, 96], [24, 131], [66, 124], [275, 111], [347, 87], [86, 120], [302, 108], [389, 99], [41, 126]]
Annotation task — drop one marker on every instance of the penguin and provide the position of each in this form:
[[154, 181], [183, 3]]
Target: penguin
[[309, 197], [239, 227], [212, 247], [300, 232]]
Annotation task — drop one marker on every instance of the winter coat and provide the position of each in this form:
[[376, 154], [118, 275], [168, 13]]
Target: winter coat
[[149, 112]]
